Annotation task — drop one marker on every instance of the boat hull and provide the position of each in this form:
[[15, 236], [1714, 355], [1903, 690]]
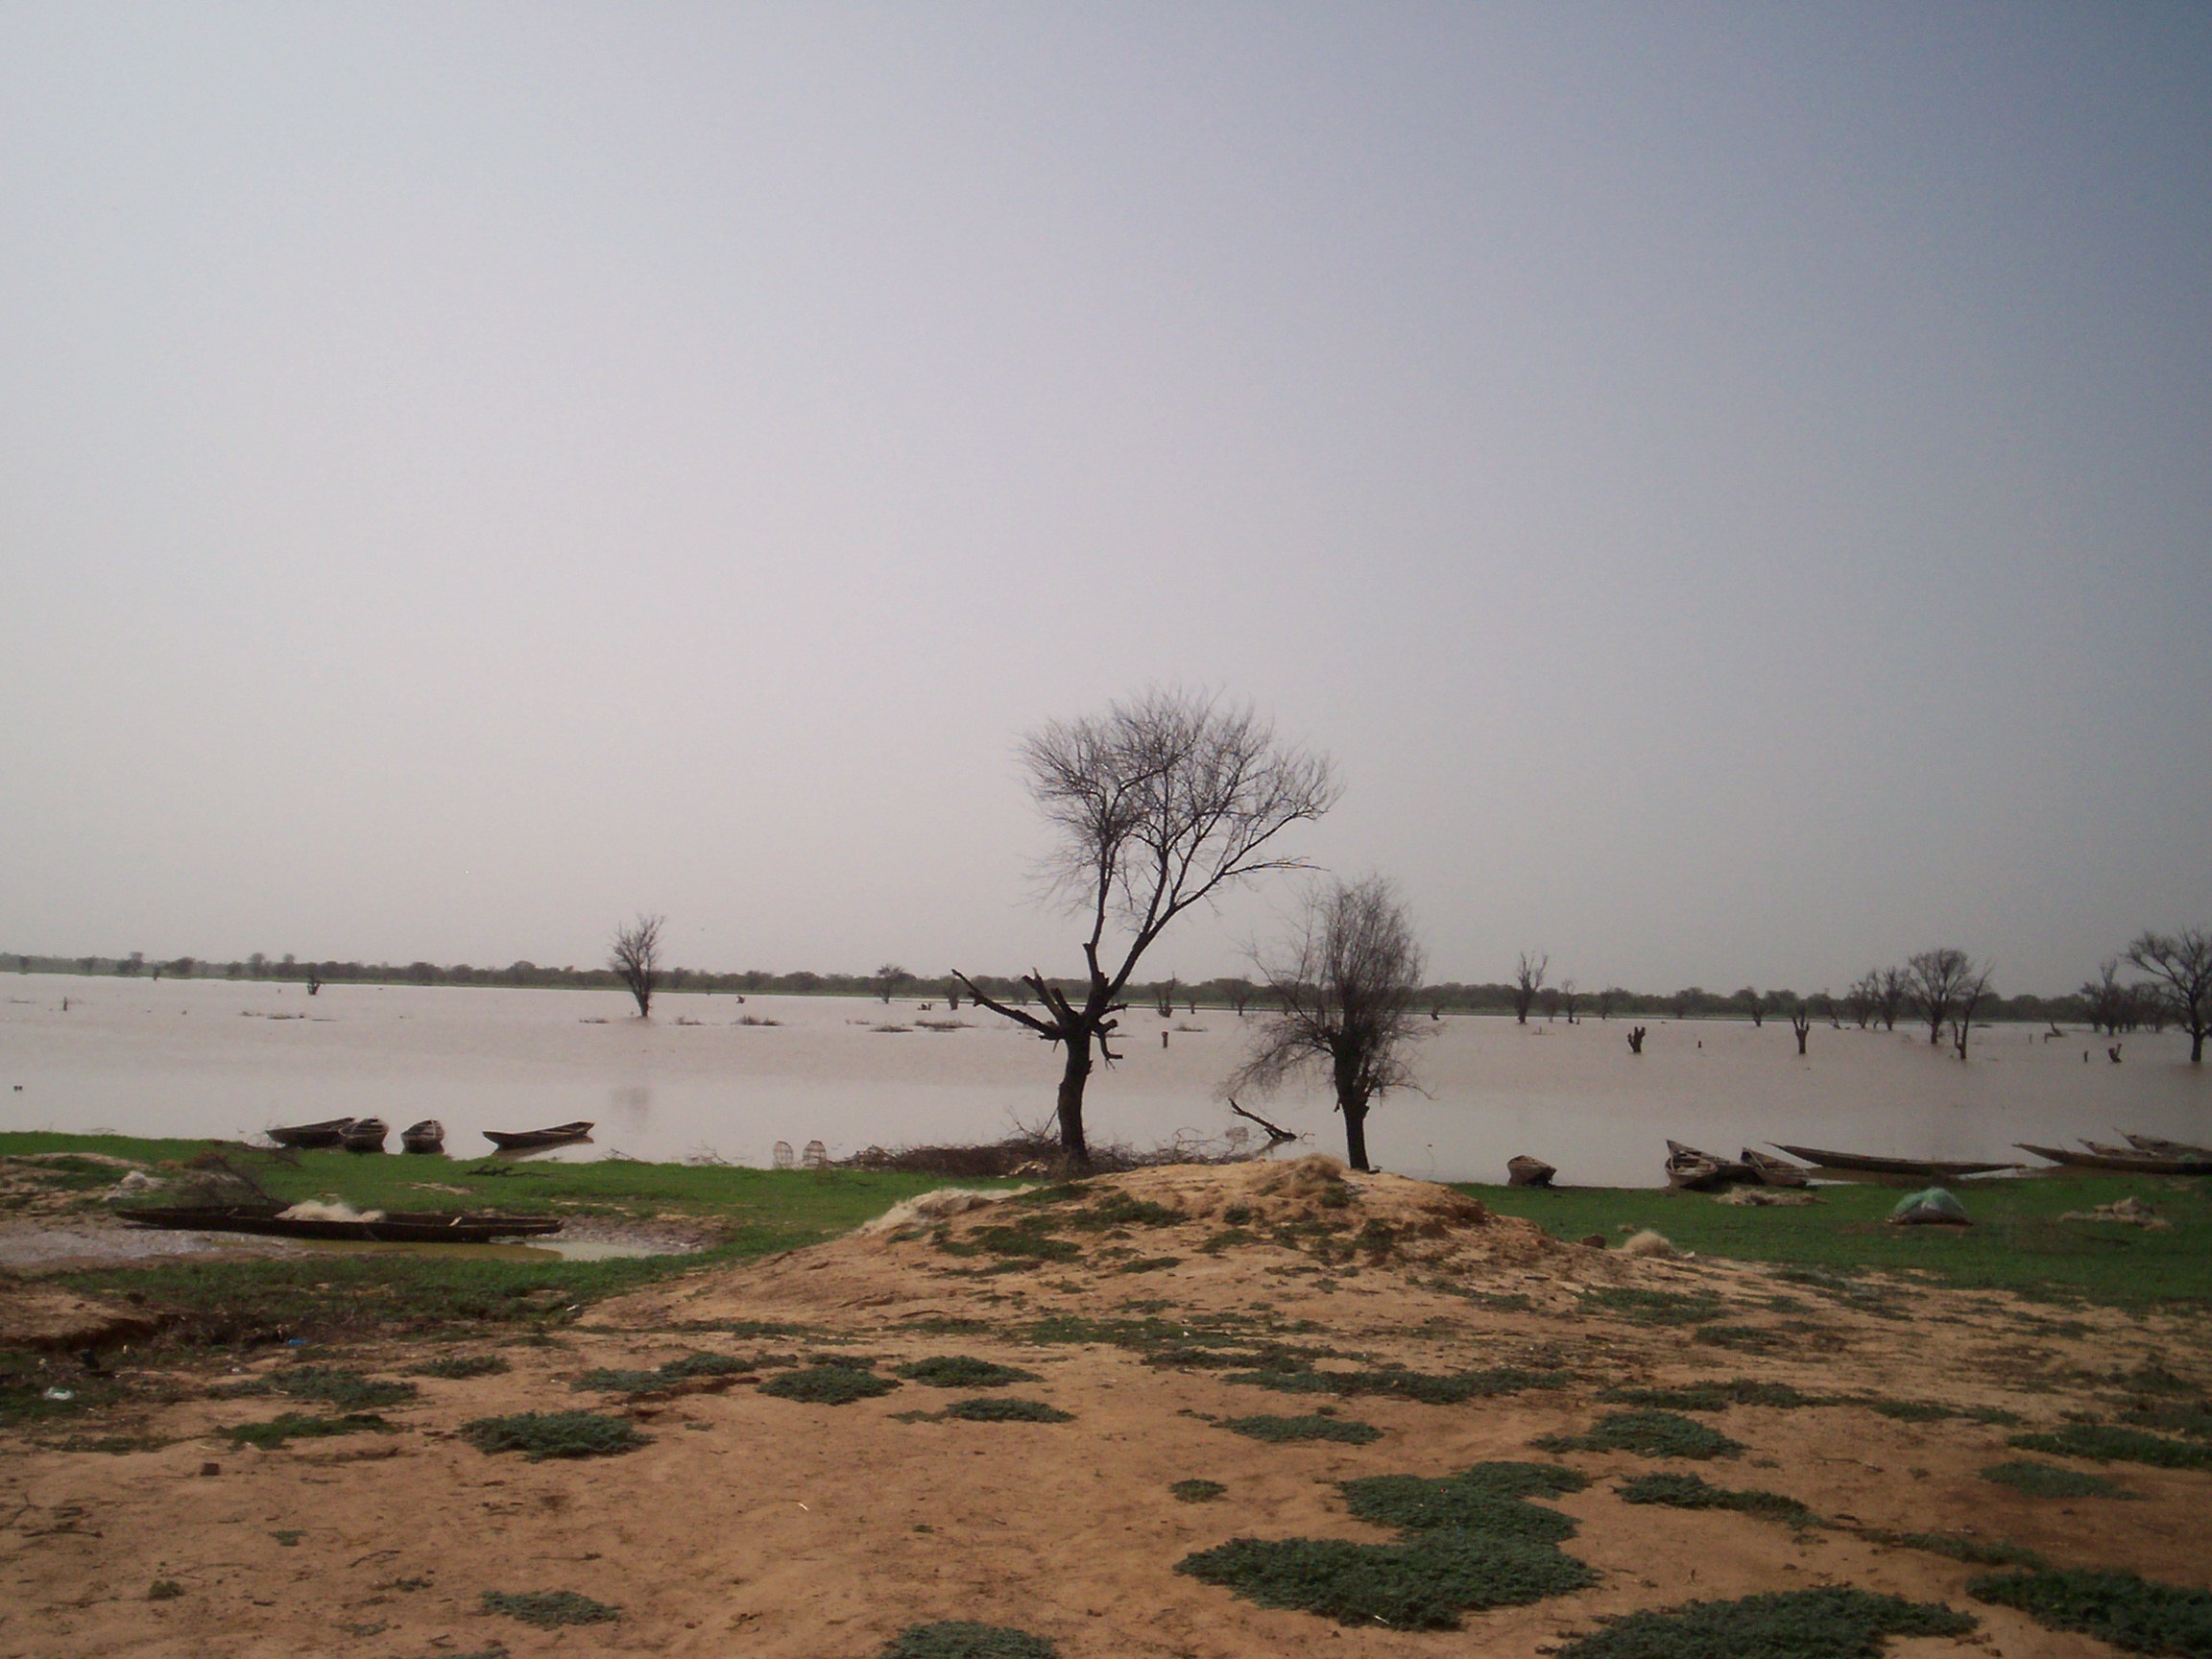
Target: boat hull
[[312, 1137], [531, 1139], [2120, 1166], [420, 1228], [1933, 1169]]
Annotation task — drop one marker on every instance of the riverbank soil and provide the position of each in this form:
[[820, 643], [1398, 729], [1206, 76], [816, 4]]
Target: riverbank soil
[[768, 1483]]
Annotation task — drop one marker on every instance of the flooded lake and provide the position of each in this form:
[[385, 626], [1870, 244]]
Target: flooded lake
[[229, 1058]]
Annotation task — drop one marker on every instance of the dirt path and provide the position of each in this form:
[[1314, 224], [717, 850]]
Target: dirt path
[[769, 1527]]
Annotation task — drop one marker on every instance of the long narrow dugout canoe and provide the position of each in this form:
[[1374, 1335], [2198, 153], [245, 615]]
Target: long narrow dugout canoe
[[2143, 1166], [1934, 1168], [529, 1140], [2152, 1145], [312, 1137], [420, 1227]]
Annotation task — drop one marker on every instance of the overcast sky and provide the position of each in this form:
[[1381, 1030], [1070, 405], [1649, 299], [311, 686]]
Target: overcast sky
[[1731, 485]]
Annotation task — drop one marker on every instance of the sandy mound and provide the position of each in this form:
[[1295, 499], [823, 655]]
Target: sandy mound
[[42, 1316]]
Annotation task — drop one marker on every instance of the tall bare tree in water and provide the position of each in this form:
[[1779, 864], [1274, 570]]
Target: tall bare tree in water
[[1527, 980], [1156, 804], [1939, 982], [635, 958], [2181, 964], [1347, 988]]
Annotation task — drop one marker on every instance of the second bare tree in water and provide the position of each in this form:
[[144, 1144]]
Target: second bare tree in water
[[635, 958], [1348, 989]]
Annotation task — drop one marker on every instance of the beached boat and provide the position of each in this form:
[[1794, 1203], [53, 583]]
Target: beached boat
[[2161, 1148], [365, 1135], [1930, 1168], [2142, 1164], [1773, 1172], [1527, 1171], [1730, 1170], [530, 1139], [427, 1136], [310, 1137], [1692, 1172], [422, 1227]]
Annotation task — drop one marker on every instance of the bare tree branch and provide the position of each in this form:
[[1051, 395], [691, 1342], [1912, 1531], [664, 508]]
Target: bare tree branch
[[635, 958]]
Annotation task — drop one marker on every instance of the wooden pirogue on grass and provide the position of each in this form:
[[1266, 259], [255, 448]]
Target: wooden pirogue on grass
[[1773, 1172], [310, 1137], [1690, 1170], [2139, 1165], [365, 1135], [2161, 1148], [1921, 1168], [427, 1136], [531, 1139], [422, 1227]]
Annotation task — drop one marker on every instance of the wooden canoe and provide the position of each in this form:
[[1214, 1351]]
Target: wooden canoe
[[1773, 1172], [1694, 1172], [365, 1135], [423, 1227], [2160, 1148], [427, 1136], [529, 1140], [1729, 1169], [1931, 1169], [1527, 1171], [311, 1137], [2140, 1164]]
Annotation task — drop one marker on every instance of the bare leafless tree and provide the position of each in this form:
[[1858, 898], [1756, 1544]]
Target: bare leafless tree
[[1893, 989], [2180, 969], [2110, 1005], [1348, 985], [1936, 980], [1568, 998], [1527, 981], [635, 958], [890, 979], [1158, 805], [1970, 994]]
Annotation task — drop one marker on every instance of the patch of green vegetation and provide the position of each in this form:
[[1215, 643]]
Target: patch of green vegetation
[[1149, 1265], [1428, 1388], [543, 1434], [1903, 1410], [330, 1385], [1714, 1396], [998, 1409], [1838, 1623], [1970, 1550], [2137, 1614], [1486, 1498], [1655, 1306], [1648, 1434], [292, 1425], [1745, 1339], [961, 1371], [2190, 1417], [1028, 1240], [2049, 1480], [549, 1609], [607, 1380], [114, 1445], [1691, 1492], [1120, 1210], [1198, 1491], [1316, 1428], [289, 1538], [459, 1367], [35, 1389], [2017, 1243], [827, 1385], [1501, 1301], [164, 1590], [946, 1325], [959, 1639], [756, 1330], [2106, 1443]]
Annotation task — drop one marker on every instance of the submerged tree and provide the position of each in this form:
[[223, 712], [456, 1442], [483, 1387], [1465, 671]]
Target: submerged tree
[[890, 979], [1157, 804], [635, 958], [1348, 987], [2180, 966], [1939, 982], [1527, 981]]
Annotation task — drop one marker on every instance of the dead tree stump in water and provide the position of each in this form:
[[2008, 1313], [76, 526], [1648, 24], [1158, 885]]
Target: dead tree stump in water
[[1636, 1040], [1801, 1022]]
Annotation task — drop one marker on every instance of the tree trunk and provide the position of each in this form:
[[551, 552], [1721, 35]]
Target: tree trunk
[[1355, 1136], [2196, 1047], [1072, 1081]]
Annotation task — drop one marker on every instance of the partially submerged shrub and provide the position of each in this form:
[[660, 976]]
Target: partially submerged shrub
[[1691, 1492], [548, 1609], [2049, 1480], [827, 1385], [1316, 1428], [292, 1425], [459, 1367], [2137, 1614], [539, 1435], [1198, 1491], [1648, 1434], [1838, 1623], [2104, 1443], [958, 1638], [998, 1409], [960, 1371]]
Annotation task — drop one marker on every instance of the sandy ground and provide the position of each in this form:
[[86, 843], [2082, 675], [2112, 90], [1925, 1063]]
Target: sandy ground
[[761, 1526]]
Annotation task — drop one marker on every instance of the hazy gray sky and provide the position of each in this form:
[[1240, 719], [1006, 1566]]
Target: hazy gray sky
[[1732, 484]]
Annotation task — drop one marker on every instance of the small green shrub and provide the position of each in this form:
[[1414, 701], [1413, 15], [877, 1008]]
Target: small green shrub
[[998, 1409], [164, 1590], [1286, 1428], [1485, 1498], [1831, 1623], [1648, 1434], [332, 1386], [1120, 1210], [1429, 1389], [539, 1435], [960, 1371], [1972, 1552], [827, 1385], [1691, 1492], [618, 1381], [1656, 1307], [1198, 1491], [459, 1367], [2137, 1614], [292, 1425], [548, 1609], [1743, 1338], [958, 1638], [2104, 1443], [2049, 1480], [1713, 1396], [1422, 1585]]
